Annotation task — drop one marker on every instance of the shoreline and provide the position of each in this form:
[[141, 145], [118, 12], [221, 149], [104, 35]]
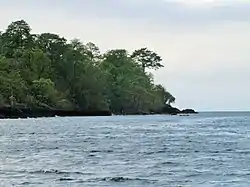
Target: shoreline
[[7, 112], [15, 113]]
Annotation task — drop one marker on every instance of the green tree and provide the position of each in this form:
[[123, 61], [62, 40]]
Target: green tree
[[16, 37], [147, 59], [34, 64], [43, 90], [45, 70], [167, 97], [11, 83], [92, 52], [130, 89]]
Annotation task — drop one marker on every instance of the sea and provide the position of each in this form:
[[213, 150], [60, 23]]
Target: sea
[[203, 150]]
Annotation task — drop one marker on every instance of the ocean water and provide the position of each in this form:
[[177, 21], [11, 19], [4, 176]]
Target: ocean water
[[204, 150]]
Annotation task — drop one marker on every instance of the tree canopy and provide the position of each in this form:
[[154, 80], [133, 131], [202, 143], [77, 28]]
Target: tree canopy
[[47, 70]]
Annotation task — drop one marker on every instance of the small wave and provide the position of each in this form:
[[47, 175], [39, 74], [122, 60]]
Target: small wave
[[35, 133], [190, 175], [47, 148], [170, 163], [55, 171], [154, 152], [229, 150], [66, 179], [215, 151], [29, 183], [242, 151], [108, 179], [25, 183], [101, 151], [117, 179], [25, 133], [161, 151], [167, 163]]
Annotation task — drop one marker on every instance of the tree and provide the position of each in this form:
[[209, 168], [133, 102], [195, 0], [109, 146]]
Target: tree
[[11, 83], [17, 36], [92, 51], [147, 59], [167, 97], [45, 70], [34, 64], [130, 89], [44, 92]]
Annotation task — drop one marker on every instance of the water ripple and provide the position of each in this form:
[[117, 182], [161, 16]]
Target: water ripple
[[205, 150]]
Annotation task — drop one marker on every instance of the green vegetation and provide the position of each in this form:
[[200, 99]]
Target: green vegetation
[[46, 70]]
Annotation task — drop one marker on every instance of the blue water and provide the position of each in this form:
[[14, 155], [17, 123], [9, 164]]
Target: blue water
[[205, 150]]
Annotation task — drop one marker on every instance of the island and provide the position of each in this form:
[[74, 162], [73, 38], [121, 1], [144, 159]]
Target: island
[[44, 75]]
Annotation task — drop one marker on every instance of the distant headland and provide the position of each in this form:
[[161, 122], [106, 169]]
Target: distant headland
[[23, 112], [44, 75]]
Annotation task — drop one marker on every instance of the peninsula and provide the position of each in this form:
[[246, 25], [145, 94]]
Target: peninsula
[[46, 75]]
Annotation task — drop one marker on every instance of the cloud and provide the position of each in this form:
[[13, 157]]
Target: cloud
[[150, 11], [196, 2], [206, 3]]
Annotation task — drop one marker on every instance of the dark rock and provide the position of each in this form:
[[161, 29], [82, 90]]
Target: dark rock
[[10, 112], [188, 111], [168, 109]]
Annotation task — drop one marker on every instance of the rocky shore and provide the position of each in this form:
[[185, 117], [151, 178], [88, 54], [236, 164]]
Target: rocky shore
[[9, 112], [168, 109], [24, 112]]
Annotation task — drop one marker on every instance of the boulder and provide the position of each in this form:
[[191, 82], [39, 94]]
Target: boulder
[[188, 111]]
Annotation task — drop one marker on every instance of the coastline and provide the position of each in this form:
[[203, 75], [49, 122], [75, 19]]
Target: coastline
[[73, 78], [7, 112], [15, 113]]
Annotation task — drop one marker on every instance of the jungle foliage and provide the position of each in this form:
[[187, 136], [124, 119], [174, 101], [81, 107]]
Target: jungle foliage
[[46, 70]]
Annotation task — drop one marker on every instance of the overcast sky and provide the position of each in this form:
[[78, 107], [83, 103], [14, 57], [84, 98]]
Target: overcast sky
[[205, 44]]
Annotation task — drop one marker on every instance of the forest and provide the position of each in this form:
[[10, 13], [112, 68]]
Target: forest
[[46, 70]]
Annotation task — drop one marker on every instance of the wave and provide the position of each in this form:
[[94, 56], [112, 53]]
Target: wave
[[106, 179], [101, 151], [79, 177], [55, 171], [66, 179], [118, 179], [29, 183]]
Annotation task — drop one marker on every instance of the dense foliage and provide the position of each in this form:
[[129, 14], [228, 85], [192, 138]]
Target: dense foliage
[[46, 70]]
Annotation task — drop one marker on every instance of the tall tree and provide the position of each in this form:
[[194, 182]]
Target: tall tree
[[92, 51], [16, 37], [147, 59]]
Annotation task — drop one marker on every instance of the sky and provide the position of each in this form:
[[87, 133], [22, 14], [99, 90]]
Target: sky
[[204, 44]]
